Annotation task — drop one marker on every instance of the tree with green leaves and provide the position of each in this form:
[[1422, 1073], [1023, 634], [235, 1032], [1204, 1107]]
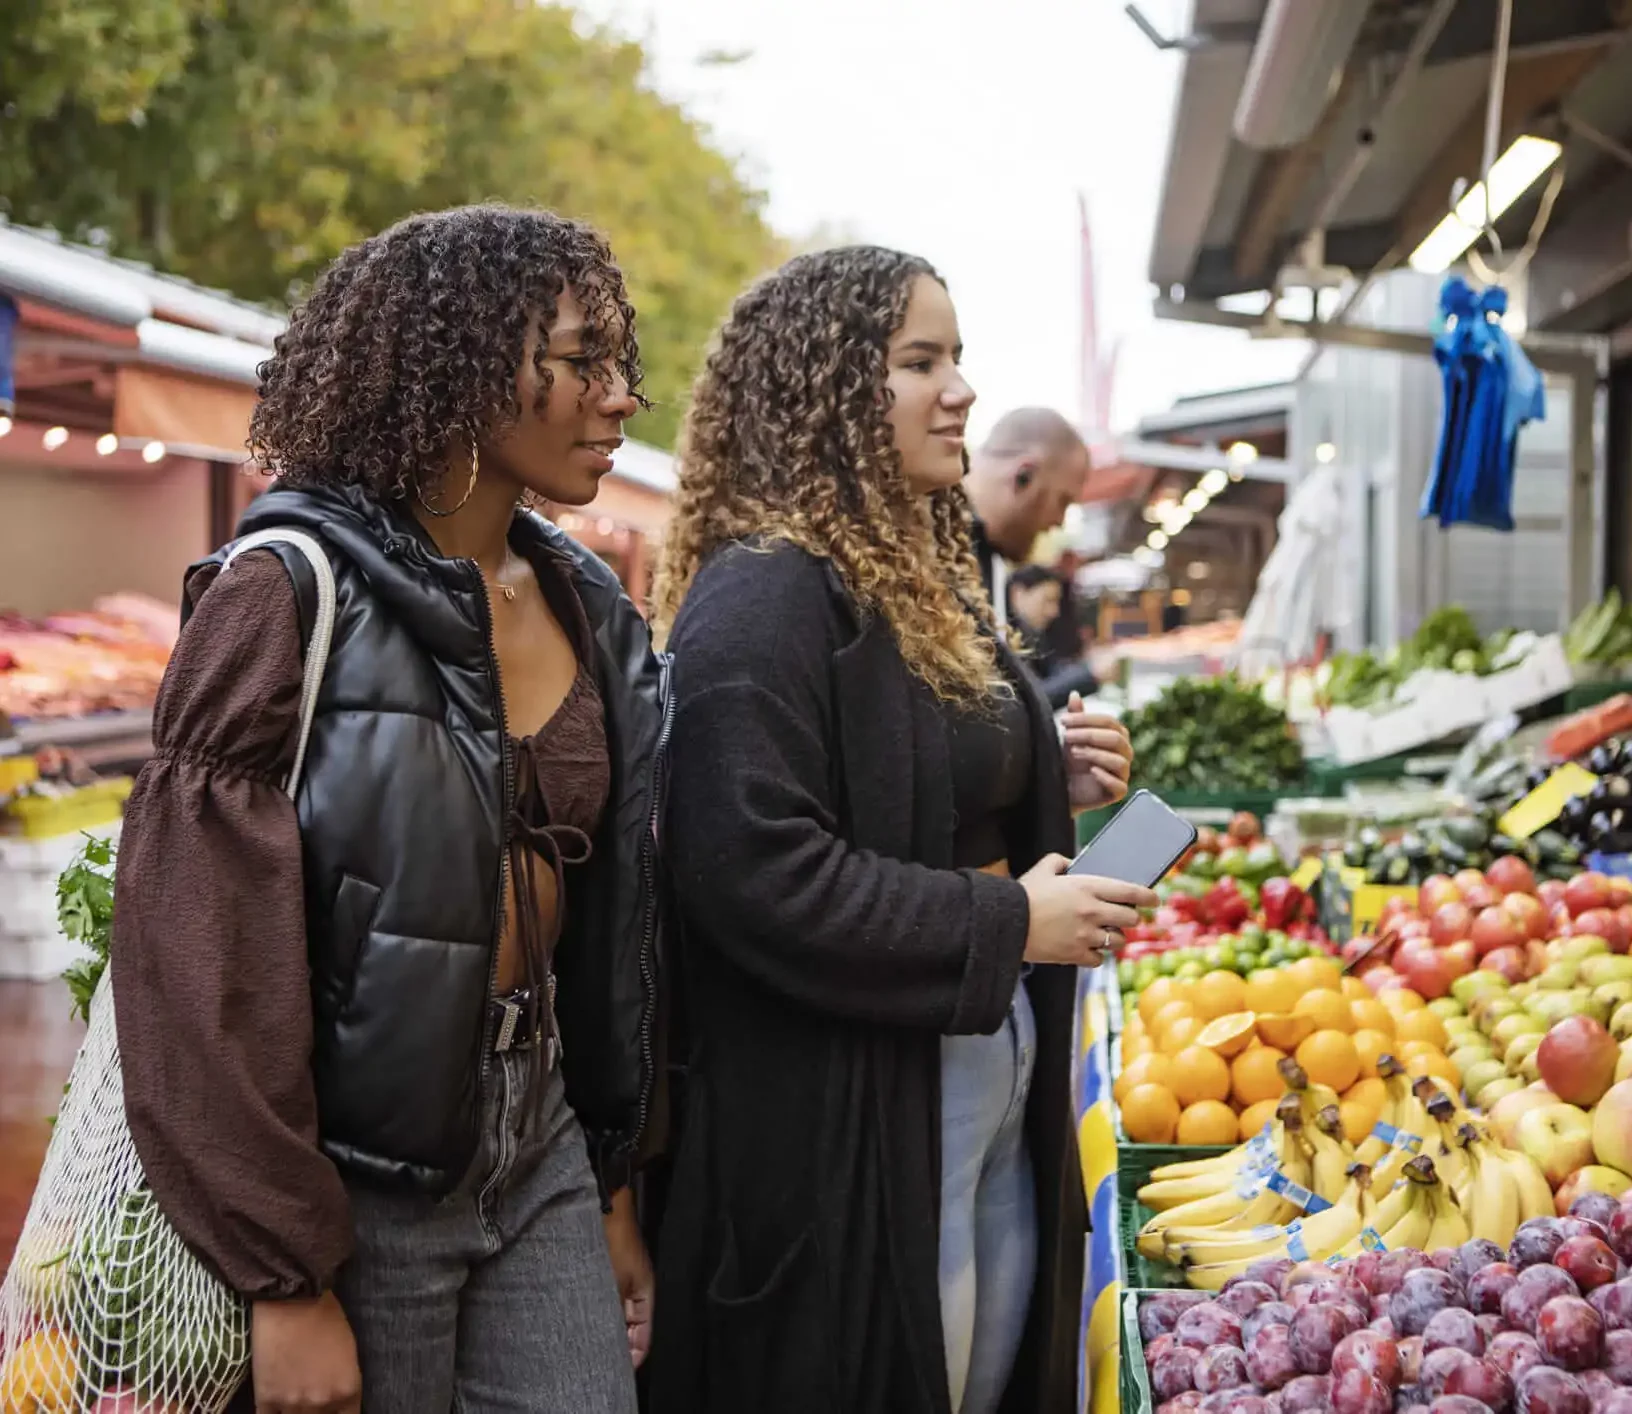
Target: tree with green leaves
[[244, 143]]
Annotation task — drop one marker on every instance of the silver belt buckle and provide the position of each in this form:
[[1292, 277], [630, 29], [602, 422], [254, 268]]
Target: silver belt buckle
[[507, 1026]]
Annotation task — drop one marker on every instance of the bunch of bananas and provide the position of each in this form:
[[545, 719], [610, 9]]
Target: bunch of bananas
[[1429, 1176]]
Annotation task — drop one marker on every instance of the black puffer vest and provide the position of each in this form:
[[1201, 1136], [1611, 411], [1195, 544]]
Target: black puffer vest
[[403, 807]]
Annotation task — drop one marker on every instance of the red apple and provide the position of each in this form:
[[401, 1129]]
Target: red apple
[[1620, 889], [1430, 974], [1624, 913], [1396, 906], [1511, 875], [1461, 957], [1481, 896], [1535, 957], [1451, 923], [1587, 891], [1550, 891], [1496, 928], [1466, 879], [1560, 921], [1415, 926], [1435, 891], [1577, 1059], [1605, 923], [1381, 978], [1509, 962], [1528, 912]]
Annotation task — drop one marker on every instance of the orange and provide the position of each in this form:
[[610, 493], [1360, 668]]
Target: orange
[[1170, 1012], [1180, 1033], [1135, 1046], [1369, 1091], [1255, 1078], [1199, 1074], [1133, 1024], [1437, 1065], [1371, 1015], [1316, 974], [1357, 1120], [1208, 1122], [1229, 1035], [1328, 1058], [1401, 1000], [1270, 991], [1355, 990], [1218, 994], [1150, 1114], [1284, 1032], [1255, 1117], [1160, 992], [1329, 1010], [1371, 1046], [1151, 1069], [1421, 1025]]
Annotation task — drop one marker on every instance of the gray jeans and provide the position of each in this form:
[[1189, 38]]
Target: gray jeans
[[500, 1297]]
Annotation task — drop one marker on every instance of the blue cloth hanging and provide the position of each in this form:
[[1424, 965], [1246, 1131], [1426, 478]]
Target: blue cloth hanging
[[8, 377], [1491, 390]]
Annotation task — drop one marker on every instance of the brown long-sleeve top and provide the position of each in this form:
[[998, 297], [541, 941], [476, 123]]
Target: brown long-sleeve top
[[209, 951]]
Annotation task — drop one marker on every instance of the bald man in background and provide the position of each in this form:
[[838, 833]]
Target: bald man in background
[[1021, 482]]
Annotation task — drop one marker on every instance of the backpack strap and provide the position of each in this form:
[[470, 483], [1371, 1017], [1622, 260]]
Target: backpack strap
[[322, 635]]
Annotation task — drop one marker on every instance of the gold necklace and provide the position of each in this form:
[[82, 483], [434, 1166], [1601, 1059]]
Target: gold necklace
[[508, 590]]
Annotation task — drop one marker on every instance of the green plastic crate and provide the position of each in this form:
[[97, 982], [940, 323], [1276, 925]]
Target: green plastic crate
[[1134, 1377], [1134, 1165]]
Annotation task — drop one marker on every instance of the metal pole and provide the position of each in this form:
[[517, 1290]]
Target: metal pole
[[1581, 540]]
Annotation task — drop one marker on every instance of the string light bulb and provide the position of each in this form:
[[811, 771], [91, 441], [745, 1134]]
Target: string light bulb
[[1325, 453], [5, 426], [54, 437], [106, 445], [1195, 501], [153, 452]]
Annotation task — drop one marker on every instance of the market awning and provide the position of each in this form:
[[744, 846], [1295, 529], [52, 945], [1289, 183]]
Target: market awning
[[1404, 121]]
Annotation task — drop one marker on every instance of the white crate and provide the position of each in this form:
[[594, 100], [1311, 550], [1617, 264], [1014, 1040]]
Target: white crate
[[36, 959]]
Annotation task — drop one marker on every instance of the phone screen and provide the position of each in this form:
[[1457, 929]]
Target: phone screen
[[1142, 841]]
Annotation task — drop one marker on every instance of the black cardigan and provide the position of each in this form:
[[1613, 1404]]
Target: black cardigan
[[829, 946]]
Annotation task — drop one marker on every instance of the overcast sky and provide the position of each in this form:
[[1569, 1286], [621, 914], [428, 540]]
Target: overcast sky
[[963, 130]]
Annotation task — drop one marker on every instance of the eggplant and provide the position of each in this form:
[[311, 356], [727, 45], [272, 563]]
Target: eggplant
[[1573, 818], [1601, 759]]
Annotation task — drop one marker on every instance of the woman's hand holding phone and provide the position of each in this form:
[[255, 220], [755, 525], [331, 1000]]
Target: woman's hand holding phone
[[1077, 918]]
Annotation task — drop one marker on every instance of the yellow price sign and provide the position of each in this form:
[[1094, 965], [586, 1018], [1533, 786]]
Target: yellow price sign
[[1369, 900], [1543, 805], [1307, 872]]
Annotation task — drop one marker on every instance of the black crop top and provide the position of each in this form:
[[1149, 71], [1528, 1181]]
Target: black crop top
[[990, 749]]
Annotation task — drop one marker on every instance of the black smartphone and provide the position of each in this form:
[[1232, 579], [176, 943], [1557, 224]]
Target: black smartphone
[[1139, 844]]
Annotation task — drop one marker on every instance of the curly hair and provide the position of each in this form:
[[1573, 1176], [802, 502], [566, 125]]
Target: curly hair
[[787, 439], [409, 343]]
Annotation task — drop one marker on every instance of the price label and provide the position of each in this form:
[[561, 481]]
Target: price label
[[1307, 872], [1542, 806], [1369, 900]]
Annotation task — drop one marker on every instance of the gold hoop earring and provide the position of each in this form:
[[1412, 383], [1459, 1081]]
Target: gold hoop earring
[[475, 469]]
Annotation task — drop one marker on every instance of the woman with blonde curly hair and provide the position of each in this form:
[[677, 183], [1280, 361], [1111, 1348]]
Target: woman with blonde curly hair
[[876, 1202]]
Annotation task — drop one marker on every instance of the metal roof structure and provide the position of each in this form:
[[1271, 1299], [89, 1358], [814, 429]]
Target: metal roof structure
[[1394, 106]]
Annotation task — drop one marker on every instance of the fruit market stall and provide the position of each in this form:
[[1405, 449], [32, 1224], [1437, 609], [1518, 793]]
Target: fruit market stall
[[1404, 973]]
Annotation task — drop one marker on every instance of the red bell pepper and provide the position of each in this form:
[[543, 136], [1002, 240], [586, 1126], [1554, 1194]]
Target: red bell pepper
[[1282, 902], [1225, 906]]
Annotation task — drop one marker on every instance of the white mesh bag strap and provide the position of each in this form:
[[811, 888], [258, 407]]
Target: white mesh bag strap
[[317, 648]]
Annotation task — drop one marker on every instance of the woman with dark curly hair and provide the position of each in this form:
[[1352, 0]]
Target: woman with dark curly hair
[[876, 1204], [388, 1047]]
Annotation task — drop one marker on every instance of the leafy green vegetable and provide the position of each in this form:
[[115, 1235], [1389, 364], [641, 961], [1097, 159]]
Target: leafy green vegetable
[[85, 912], [1208, 735]]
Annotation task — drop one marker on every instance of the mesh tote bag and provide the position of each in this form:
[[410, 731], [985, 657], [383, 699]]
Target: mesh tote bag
[[105, 1310]]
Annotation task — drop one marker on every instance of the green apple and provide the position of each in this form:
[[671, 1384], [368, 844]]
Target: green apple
[[1585, 946], [1470, 986], [1620, 1022], [1506, 1030], [1519, 1048], [1445, 1006], [1559, 976], [1481, 1073], [1606, 967], [1491, 1009], [1496, 1089]]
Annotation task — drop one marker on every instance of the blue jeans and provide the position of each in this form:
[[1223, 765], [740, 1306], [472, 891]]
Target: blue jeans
[[988, 1206]]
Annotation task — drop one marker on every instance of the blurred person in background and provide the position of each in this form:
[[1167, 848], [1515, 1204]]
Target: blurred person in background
[[1038, 614], [1026, 475], [876, 1203], [356, 1087]]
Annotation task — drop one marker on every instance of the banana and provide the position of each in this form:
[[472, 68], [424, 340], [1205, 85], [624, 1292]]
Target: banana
[[1265, 1207], [1412, 1226], [1535, 1196], [1332, 1153], [1450, 1227], [1374, 1148], [1492, 1205], [1450, 1158], [1315, 1238], [1160, 1194]]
